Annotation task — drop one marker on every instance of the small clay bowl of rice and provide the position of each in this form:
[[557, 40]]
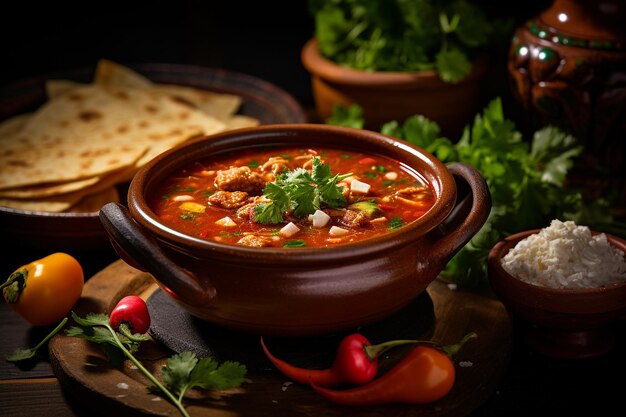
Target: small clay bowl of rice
[[564, 286]]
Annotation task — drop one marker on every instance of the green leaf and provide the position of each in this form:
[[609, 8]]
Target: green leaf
[[452, 65], [269, 213], [207, 375], [552, 153], [320, 172], [184, 371], [306, 199], [331, 195], [395, 223], [420, 131], [21, 354], [299, 243], [91, 319], [351, 116], [473, 28], [177, 371], [228, 375]]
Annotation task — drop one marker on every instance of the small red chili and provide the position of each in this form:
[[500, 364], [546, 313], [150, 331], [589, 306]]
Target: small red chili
[[356, 363], [133, 311], [425, 375]]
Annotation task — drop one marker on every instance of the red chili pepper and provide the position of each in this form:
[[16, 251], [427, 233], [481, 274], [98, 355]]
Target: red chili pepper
[[425, 375], [133, 311], [356, 363]]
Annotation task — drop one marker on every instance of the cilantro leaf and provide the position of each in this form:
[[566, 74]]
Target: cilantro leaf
[[320, 173], [208, 375], [452, 65], [176, 372], [299, 243], [22, 354], [351, 116], [331, 195], [552, 152], [184, 371], [91, 319], [306, 199], [268, 213], [395, 223], [302, 192]]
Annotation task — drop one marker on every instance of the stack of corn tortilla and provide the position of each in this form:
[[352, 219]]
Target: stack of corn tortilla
[[70, 154]]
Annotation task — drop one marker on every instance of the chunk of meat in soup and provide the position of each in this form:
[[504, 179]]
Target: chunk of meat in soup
[[229, 199], [240, 179]]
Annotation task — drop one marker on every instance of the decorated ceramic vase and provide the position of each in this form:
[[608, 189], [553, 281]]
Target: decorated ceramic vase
[[568, 68]]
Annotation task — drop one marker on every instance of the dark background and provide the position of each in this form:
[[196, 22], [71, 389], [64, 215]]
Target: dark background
[[262, 39]]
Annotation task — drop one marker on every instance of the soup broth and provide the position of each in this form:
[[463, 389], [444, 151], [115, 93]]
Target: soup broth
[[291, 197]]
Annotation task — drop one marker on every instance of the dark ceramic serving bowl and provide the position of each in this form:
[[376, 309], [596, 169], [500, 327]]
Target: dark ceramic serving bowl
[[300, 291], [563, 323]]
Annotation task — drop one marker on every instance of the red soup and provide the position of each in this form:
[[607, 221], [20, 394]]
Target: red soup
[[292, 197]]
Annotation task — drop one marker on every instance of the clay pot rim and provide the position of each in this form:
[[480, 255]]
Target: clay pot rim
[[321, 66], [167, 162], [562, 300]]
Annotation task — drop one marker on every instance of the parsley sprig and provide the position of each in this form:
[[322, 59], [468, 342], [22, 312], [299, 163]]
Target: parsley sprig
[[182, 372], [302, 192]]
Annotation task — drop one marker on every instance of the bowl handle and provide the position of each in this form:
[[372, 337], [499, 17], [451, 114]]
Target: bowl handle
[[469, 214], [144, 250]]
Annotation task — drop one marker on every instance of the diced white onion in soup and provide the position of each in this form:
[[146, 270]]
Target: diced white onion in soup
[[226, 222], [338, 231], [289, 230], [391, 175], [320, 219], [357, 186], [191, 206], [183, 197]]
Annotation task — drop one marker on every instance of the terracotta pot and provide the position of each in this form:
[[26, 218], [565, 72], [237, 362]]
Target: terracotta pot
[[564, 323], [302, 291], [387, 96]]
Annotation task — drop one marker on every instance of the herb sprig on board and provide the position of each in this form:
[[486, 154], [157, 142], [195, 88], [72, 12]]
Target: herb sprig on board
[[397, 35], [182, 372], [302, 192], [526, 179]]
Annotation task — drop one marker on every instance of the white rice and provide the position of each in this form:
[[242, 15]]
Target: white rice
[[565, 255]]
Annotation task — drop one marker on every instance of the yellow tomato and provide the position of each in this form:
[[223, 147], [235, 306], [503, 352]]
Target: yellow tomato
[[45, 290]]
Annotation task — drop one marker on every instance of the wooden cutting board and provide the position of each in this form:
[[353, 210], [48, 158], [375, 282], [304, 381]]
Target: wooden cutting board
[[83, 371]]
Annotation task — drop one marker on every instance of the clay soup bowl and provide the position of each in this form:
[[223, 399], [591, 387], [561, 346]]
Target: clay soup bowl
[[300, 291]]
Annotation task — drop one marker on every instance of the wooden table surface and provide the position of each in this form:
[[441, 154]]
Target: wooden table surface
[[532, 385]]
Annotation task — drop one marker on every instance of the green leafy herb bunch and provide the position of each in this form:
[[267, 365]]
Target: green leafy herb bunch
[[405, 35], [526, 178]]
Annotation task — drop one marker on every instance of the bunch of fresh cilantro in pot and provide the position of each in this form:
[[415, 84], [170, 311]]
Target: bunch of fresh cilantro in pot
[[405, 35], [526, 179]]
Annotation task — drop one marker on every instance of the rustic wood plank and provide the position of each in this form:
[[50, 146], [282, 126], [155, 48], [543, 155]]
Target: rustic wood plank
[[35, 397], [18, 333]]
